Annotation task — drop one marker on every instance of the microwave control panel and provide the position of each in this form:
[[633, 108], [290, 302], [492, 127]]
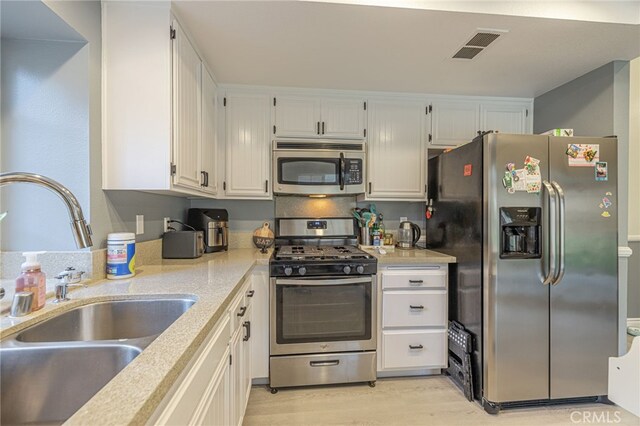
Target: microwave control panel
[[353, 171]]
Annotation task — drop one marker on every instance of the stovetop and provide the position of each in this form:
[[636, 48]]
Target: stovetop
[[327, 253], [319, 261]]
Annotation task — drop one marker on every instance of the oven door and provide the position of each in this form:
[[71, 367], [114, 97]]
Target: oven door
[[318, 172], [322, 315]]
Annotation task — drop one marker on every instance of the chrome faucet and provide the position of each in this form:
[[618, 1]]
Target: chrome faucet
[[80, 228]]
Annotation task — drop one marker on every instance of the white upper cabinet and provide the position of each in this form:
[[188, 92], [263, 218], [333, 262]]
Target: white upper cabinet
[[505, 117], [248, 145], [342, 118], [209, 128], [316, 117], [453, 122], [187, 78], [156, 132], [396, 155], [297, 116]]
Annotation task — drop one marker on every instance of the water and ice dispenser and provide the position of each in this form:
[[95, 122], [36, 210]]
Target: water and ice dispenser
[[520, 236]]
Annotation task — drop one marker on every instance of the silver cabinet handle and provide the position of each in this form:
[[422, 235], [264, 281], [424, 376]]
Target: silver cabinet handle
[[416, 307], [552, 233], [324, 363], [416, 347], [560, 232]]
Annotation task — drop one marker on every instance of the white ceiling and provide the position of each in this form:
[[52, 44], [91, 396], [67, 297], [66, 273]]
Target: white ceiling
[[347, 46]]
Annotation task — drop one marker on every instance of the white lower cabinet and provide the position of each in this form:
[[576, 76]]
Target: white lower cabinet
[[413, 319], [214, 388]]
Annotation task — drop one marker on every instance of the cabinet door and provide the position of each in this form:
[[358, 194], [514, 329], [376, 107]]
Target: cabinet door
[[505, 117], [237, 367], [297, 116], [454, 122], [396, 159], [260, 325], [342, 118], [208, 173], [247, 342], [214, 409], [186, 111], [248, 148]]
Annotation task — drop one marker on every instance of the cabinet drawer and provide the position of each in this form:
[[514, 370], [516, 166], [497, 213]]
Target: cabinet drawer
[[436, 278], [414, 349], [239, 308], [414, 308]]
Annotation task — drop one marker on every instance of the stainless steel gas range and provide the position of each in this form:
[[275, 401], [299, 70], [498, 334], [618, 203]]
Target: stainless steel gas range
[[322, 305]]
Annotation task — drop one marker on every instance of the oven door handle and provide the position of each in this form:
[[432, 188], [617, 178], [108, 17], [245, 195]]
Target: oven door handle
[[341, 177], [339, 281]]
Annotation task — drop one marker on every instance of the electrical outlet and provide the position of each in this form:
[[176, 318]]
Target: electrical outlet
[[139, 224], [165, 226]]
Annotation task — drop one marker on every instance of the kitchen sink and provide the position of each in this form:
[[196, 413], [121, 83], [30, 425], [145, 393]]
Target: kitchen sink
[[113, 320], [47, 384]]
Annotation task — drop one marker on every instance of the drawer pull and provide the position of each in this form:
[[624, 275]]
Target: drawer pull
[[416, 347], [416, 282], [416, 307], [243, 310], [324, 363], [251, 293], [247, 326]]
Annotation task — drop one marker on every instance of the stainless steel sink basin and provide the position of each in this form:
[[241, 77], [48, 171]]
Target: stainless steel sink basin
[[113, 320], [46, 385]]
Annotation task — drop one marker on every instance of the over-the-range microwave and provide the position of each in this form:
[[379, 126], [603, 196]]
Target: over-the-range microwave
[[318, 167]]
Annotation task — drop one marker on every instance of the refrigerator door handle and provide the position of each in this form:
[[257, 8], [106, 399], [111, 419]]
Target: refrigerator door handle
[[560, 230], [552, 234]]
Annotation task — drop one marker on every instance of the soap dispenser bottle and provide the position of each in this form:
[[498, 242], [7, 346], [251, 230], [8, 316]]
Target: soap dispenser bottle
[[33, 280]]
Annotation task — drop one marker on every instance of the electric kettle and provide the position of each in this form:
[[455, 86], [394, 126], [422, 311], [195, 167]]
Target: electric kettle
[[408, 235]]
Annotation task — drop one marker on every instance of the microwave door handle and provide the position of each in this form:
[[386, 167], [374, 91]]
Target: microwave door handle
[[341, 176]]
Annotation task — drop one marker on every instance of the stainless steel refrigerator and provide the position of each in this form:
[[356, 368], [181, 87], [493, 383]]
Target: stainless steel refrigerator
[[536, 283]]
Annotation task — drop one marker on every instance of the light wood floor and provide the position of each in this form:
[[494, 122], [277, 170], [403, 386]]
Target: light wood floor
[[409, 401]]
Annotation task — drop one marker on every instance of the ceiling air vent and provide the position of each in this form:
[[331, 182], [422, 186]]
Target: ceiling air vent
[[478, 42], [482, 39], [467, 53]]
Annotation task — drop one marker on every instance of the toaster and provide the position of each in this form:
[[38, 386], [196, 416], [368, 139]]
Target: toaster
[[182, 244]]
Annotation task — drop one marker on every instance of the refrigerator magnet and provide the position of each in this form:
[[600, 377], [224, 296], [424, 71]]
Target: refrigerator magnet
[[606, 202], [605, 214], [573, 150], [602, 173]]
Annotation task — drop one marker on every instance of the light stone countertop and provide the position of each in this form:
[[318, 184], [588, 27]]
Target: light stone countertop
[[413, 256], [133, 395]]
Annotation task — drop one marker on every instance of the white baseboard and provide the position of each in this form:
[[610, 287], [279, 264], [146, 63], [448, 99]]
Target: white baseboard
[[633, 322]]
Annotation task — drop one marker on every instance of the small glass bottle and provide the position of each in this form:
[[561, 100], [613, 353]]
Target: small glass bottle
[[375, 234], [33, 280]]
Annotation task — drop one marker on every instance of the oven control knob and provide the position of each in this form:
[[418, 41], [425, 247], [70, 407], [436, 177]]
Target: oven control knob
[[288, 270], [302, 270], [347, 269], [360, 269]]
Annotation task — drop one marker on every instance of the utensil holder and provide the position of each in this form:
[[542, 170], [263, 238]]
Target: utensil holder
[[365, 237]]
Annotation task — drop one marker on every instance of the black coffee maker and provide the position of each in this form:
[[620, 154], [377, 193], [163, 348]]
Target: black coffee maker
[[215, 224]]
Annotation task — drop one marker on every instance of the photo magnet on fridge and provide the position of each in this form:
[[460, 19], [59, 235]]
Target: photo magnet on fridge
[[601, 171]]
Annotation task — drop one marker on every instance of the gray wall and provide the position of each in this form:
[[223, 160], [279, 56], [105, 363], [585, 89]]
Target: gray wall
[[45, 127], [249, 215], [62, 134], [597, 104]]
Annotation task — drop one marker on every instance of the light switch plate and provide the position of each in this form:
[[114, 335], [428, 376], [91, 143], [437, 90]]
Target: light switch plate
[[139, 224]]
